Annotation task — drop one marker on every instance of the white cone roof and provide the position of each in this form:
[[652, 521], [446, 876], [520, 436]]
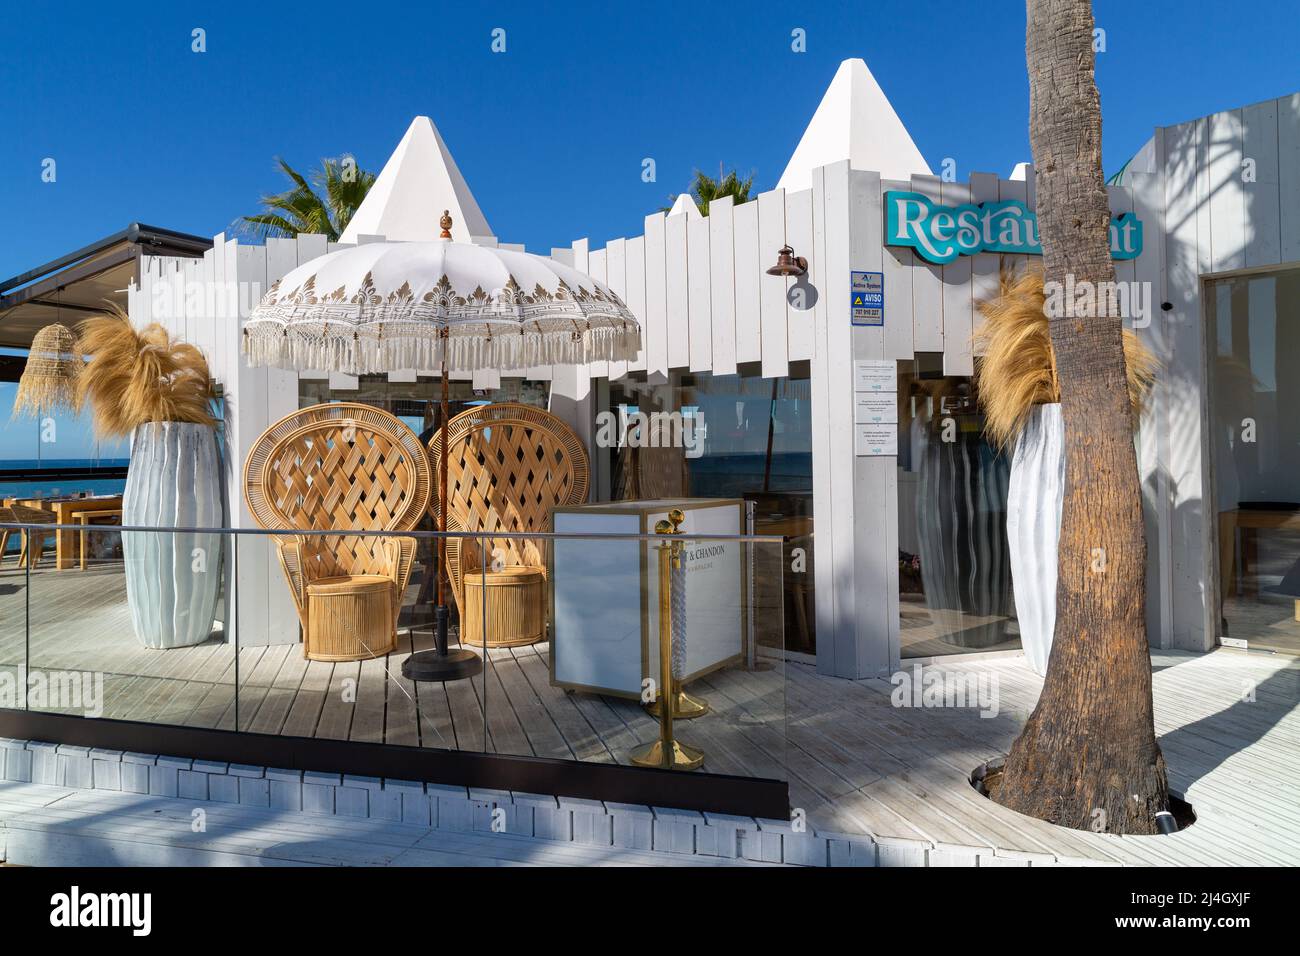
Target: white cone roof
[[417, 183], [854, 121]]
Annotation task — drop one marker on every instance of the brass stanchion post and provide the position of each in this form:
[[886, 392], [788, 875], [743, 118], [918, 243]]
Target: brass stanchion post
[[667, 752]]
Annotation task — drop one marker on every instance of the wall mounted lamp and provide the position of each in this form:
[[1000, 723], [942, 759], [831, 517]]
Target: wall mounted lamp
[[788, 264]]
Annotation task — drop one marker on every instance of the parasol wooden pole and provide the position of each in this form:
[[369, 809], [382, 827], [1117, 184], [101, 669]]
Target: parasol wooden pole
[[441, 634]]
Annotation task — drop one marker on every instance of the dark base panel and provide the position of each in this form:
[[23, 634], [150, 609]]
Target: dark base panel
[[716, 793]]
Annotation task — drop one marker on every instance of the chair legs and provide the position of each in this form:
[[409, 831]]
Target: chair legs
[[4, 546]]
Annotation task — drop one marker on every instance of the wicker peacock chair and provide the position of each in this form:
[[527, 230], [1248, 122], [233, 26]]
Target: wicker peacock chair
[[508, 466], [342, 467]]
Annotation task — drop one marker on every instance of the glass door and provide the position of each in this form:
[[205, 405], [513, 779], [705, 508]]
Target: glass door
[[1254, 428]]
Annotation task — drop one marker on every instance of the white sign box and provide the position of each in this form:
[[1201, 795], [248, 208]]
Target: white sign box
[[870, 375], [875, 440], [875, 408], [605, 594]]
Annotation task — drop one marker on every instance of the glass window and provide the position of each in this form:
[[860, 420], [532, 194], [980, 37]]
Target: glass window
[[954, 573], [727, 436]]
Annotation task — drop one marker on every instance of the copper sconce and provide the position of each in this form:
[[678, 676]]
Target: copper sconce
[[788, 264]]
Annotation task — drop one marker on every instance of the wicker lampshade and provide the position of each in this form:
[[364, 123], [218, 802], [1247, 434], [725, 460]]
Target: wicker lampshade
[[49, 382]]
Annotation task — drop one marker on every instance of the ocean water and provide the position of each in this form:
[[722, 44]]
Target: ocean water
[[68, 486], [34, 487]]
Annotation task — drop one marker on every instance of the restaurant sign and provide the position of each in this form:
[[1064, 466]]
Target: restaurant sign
[[942, 233]]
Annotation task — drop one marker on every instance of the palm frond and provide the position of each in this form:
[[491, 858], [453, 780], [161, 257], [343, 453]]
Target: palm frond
[[704, 188], [325, 209]]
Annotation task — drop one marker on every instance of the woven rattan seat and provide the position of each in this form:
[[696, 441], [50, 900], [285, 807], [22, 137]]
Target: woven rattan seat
[[508, 466], [341, 467]]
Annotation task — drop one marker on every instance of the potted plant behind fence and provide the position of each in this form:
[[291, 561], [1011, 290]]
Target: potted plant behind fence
[[145, 385], [1018, 388]]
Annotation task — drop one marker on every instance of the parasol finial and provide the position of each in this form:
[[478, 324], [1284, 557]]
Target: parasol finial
[[445, 222]]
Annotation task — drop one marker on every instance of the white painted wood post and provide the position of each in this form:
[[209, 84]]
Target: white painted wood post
[[855, 499]]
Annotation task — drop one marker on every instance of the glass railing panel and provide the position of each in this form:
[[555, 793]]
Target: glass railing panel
[[131, 625], [563, 633], [330, 663], [725, 645], [13, 620]]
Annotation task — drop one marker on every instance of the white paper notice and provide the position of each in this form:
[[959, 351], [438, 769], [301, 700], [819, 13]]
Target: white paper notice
[[875, 440], [875, 408], [870, 375]]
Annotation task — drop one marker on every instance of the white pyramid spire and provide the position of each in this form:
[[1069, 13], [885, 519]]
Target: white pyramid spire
[[685, 202], [418, 182], [854, 122]]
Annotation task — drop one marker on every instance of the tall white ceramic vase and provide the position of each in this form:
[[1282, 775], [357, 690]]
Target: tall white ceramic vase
[[173, 579], [1034, 498]]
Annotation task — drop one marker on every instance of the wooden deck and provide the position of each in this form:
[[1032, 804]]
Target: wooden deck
[[1229, 723]]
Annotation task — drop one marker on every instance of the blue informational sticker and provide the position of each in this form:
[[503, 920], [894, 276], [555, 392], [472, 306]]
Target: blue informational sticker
[[867, 298]]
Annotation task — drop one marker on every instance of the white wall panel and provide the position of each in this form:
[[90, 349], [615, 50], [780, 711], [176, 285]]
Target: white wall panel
[[636, 293], [957, 319], [1263, 228], [655, 332], [722, 280], [699, 295], [676, 264], [798, 233], [927, 285], [616, 279], [771, 237], [897, 264], [1288, 173], [749, 272], [596, 267]]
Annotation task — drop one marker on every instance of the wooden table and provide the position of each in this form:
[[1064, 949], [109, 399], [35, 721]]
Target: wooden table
[[1248, 521], [64, 508], [84, 518]]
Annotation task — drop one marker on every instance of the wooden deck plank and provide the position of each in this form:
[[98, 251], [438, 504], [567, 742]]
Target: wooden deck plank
[[584, 741], [335, 721]]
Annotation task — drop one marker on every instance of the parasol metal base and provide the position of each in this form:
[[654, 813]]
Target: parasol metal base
[[441, 664], [432, 666], [684, 756], [685, 707]]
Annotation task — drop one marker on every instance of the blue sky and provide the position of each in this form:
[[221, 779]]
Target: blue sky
[[550, 134]]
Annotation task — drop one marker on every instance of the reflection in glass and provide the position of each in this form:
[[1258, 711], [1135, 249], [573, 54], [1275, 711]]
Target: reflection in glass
[[954, 578], [728, 436]]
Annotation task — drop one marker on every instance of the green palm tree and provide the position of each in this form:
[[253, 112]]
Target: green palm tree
[[302, 209], [704, 189]]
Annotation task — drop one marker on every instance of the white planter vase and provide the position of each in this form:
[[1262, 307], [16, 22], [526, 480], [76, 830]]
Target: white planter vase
[[173, 579], [1033, 527]]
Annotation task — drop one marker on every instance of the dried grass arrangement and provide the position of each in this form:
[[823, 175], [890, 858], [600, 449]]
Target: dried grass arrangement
[[1018, 368], [49, 380], [138, 376]]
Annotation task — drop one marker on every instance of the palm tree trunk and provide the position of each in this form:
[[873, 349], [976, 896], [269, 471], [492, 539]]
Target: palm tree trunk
[[1087, 757]]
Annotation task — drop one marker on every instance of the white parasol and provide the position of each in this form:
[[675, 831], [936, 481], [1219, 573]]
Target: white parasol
[[385, 306]]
